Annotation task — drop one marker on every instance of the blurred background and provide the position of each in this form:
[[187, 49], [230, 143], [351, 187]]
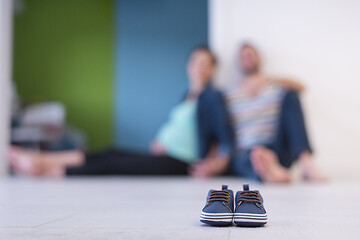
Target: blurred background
[[87, 73]]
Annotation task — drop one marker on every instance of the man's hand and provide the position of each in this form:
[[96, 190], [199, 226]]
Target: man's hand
[[209, 167]]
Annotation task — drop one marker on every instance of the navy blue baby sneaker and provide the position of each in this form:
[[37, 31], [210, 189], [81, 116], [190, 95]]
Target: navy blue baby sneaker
[[219, 208], [249, 210]]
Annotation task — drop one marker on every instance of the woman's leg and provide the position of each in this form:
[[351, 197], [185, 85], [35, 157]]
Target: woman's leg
[[115, 162], [58, 164]]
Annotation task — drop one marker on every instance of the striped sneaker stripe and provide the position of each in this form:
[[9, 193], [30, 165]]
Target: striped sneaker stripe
[[216, 214], [249, 221], [251, 216], [217, 217], [225, 219]]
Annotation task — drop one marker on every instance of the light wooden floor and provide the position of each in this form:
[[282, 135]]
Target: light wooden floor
[[168, 208]]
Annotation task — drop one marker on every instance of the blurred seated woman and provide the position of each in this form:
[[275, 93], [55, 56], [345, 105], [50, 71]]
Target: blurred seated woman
[[196, 140]]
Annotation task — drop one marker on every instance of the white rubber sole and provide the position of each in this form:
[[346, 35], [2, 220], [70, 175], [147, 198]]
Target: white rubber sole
[[217, 217], [250, 218]]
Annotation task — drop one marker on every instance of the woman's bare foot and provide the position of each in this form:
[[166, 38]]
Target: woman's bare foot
[[157, 148], [36, 163], [309, 169], [267, 166], [26, 162]]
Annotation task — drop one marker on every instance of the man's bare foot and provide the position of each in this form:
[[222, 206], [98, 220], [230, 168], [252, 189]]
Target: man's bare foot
[[309, 170], [267, 166]]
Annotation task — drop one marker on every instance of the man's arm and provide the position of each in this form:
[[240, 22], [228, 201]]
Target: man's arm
[[289, 84]]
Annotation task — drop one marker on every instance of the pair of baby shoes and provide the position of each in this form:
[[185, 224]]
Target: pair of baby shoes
[[222, 209]]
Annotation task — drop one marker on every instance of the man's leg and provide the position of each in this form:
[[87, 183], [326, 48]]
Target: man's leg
[[241, 165], [270, 162], [292, 142], [292, 138], [260, 163]]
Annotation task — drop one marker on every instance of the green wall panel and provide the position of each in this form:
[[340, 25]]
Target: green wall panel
[[64, 51]]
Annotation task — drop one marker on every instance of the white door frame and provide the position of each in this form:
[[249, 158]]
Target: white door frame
[[6, 25]]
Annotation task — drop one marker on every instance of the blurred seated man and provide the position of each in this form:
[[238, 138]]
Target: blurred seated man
[[268, 123], [184, 145]]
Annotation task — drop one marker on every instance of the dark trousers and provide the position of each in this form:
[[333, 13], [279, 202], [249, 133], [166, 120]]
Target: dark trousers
[[290, 141], [116, 162]]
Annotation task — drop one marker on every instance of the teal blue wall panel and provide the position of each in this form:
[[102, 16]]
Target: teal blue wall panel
[[154, 39]]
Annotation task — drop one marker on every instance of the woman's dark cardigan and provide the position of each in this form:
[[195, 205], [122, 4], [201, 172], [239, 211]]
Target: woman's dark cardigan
[[213, 123]]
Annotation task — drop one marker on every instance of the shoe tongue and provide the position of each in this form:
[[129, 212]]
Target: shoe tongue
[[224, 187], [246, 187]]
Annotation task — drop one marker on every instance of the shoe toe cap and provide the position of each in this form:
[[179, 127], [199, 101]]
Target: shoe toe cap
[[252, 208], [217, 207]]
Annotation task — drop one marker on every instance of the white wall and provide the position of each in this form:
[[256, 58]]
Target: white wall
[[5, 73], [315, 42]]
